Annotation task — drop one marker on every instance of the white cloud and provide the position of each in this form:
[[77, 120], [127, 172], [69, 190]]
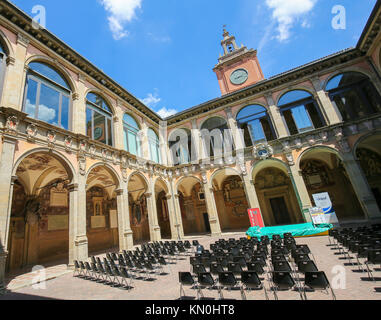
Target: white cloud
[[160, 39], [165, 113], [120, 12], [285, 13], [151, 100]]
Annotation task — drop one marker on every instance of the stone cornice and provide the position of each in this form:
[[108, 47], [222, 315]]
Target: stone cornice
[[23, 22], [371, 30]]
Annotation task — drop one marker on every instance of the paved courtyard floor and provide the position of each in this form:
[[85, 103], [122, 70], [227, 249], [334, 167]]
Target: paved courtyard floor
[[350, 284]]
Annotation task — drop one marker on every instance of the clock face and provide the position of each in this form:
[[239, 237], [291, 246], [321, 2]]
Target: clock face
[[239, 76]]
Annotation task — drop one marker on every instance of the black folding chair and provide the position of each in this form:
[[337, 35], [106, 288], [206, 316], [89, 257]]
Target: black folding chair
[[317, 281], [250, 280], [374, 257], [283, 281], [226, 280], [77, 269], [204, 280], [185, 279]]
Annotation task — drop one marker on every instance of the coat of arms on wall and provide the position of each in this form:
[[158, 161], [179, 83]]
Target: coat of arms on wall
[[263, 151]]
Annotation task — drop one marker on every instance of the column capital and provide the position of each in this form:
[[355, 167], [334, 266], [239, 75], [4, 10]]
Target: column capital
[[73, 187], [148, 194], [119, 192], [168, 196]]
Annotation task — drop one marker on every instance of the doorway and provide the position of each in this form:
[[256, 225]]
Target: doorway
[[280, 211], [206, 221]]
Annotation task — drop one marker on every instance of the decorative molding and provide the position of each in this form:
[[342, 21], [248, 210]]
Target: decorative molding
[[23, 40], [68, 143], [51, 137], [31, 131], [11, 125], [263, 151]]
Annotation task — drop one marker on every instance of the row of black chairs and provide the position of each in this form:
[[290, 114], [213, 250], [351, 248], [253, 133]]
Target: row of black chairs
[[281, 261], [362, 244]]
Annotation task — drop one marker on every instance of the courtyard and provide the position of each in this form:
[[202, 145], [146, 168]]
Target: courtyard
[[63, 286]]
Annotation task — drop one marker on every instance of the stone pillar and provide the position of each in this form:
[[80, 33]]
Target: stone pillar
[[126, 241], [331, 112], [237, 135], [176, 223], [361, 187], [277, 119], [78, 243], [301, 192], [145, 153], [196, 143], [6, 193], [13, 92], [212, 210], [251, 193], [154, 228], [79, 107], [118, 133]]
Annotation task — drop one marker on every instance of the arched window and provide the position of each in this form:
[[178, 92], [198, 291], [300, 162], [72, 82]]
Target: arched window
[[3, 63], [154, 146], [216, 136], [98, 119], [131, 131], [181, 147], [256, 123], [47, 95], [300, 111], [354, 95]]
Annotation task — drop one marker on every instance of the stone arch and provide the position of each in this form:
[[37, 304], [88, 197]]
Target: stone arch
[[346, 70], [57, 66], [229, 172], [104, 96], [211, 117], [269, 163], [307, 89], [60, 157], [317, 148], [251, 104], [109, 168], [7, 45]]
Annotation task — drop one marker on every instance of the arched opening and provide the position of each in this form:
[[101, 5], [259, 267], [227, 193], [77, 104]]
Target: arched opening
[[181, 147], [39, 224], [131, 135], [47, 95], [254, 120], [99, 122], [3, 65], [231, 201], [101, 210], [161, 193], [137, 189], [323, 171], [368, 153], [154, 146], [300, 112], [193, 208], [354, 95], [277, 198], [216, 137]]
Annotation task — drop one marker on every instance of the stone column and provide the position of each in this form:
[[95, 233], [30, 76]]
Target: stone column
[[126, 241], [79, 107], [145, 153], [13, 92], [361, 187], [212, 210], [251, 193], [331, 112], [237, 135], [277, 119], [301, 192], [176, 224], [118, 132], [6, 193], [154, 228], [78, 243], [196, 143]]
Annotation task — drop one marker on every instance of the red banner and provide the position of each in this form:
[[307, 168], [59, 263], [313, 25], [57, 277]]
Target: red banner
[[256, 218]]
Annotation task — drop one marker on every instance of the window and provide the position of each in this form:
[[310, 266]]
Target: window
[[131, 132], [47, 96], [3, 64], [216, 136], [354, 95], [300, 111], [255, 122], [180, 144], [154, 146], [98, 119]]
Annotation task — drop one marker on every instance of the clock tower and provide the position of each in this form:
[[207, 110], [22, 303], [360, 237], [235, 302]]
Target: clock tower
[[238, 67]]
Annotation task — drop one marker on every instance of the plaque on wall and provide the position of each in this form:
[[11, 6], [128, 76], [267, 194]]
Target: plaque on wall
[[58, 222], [113, 219], [98, 222], [58, 196]]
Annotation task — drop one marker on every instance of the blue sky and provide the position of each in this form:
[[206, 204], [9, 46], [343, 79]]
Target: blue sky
[[163, 51]]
